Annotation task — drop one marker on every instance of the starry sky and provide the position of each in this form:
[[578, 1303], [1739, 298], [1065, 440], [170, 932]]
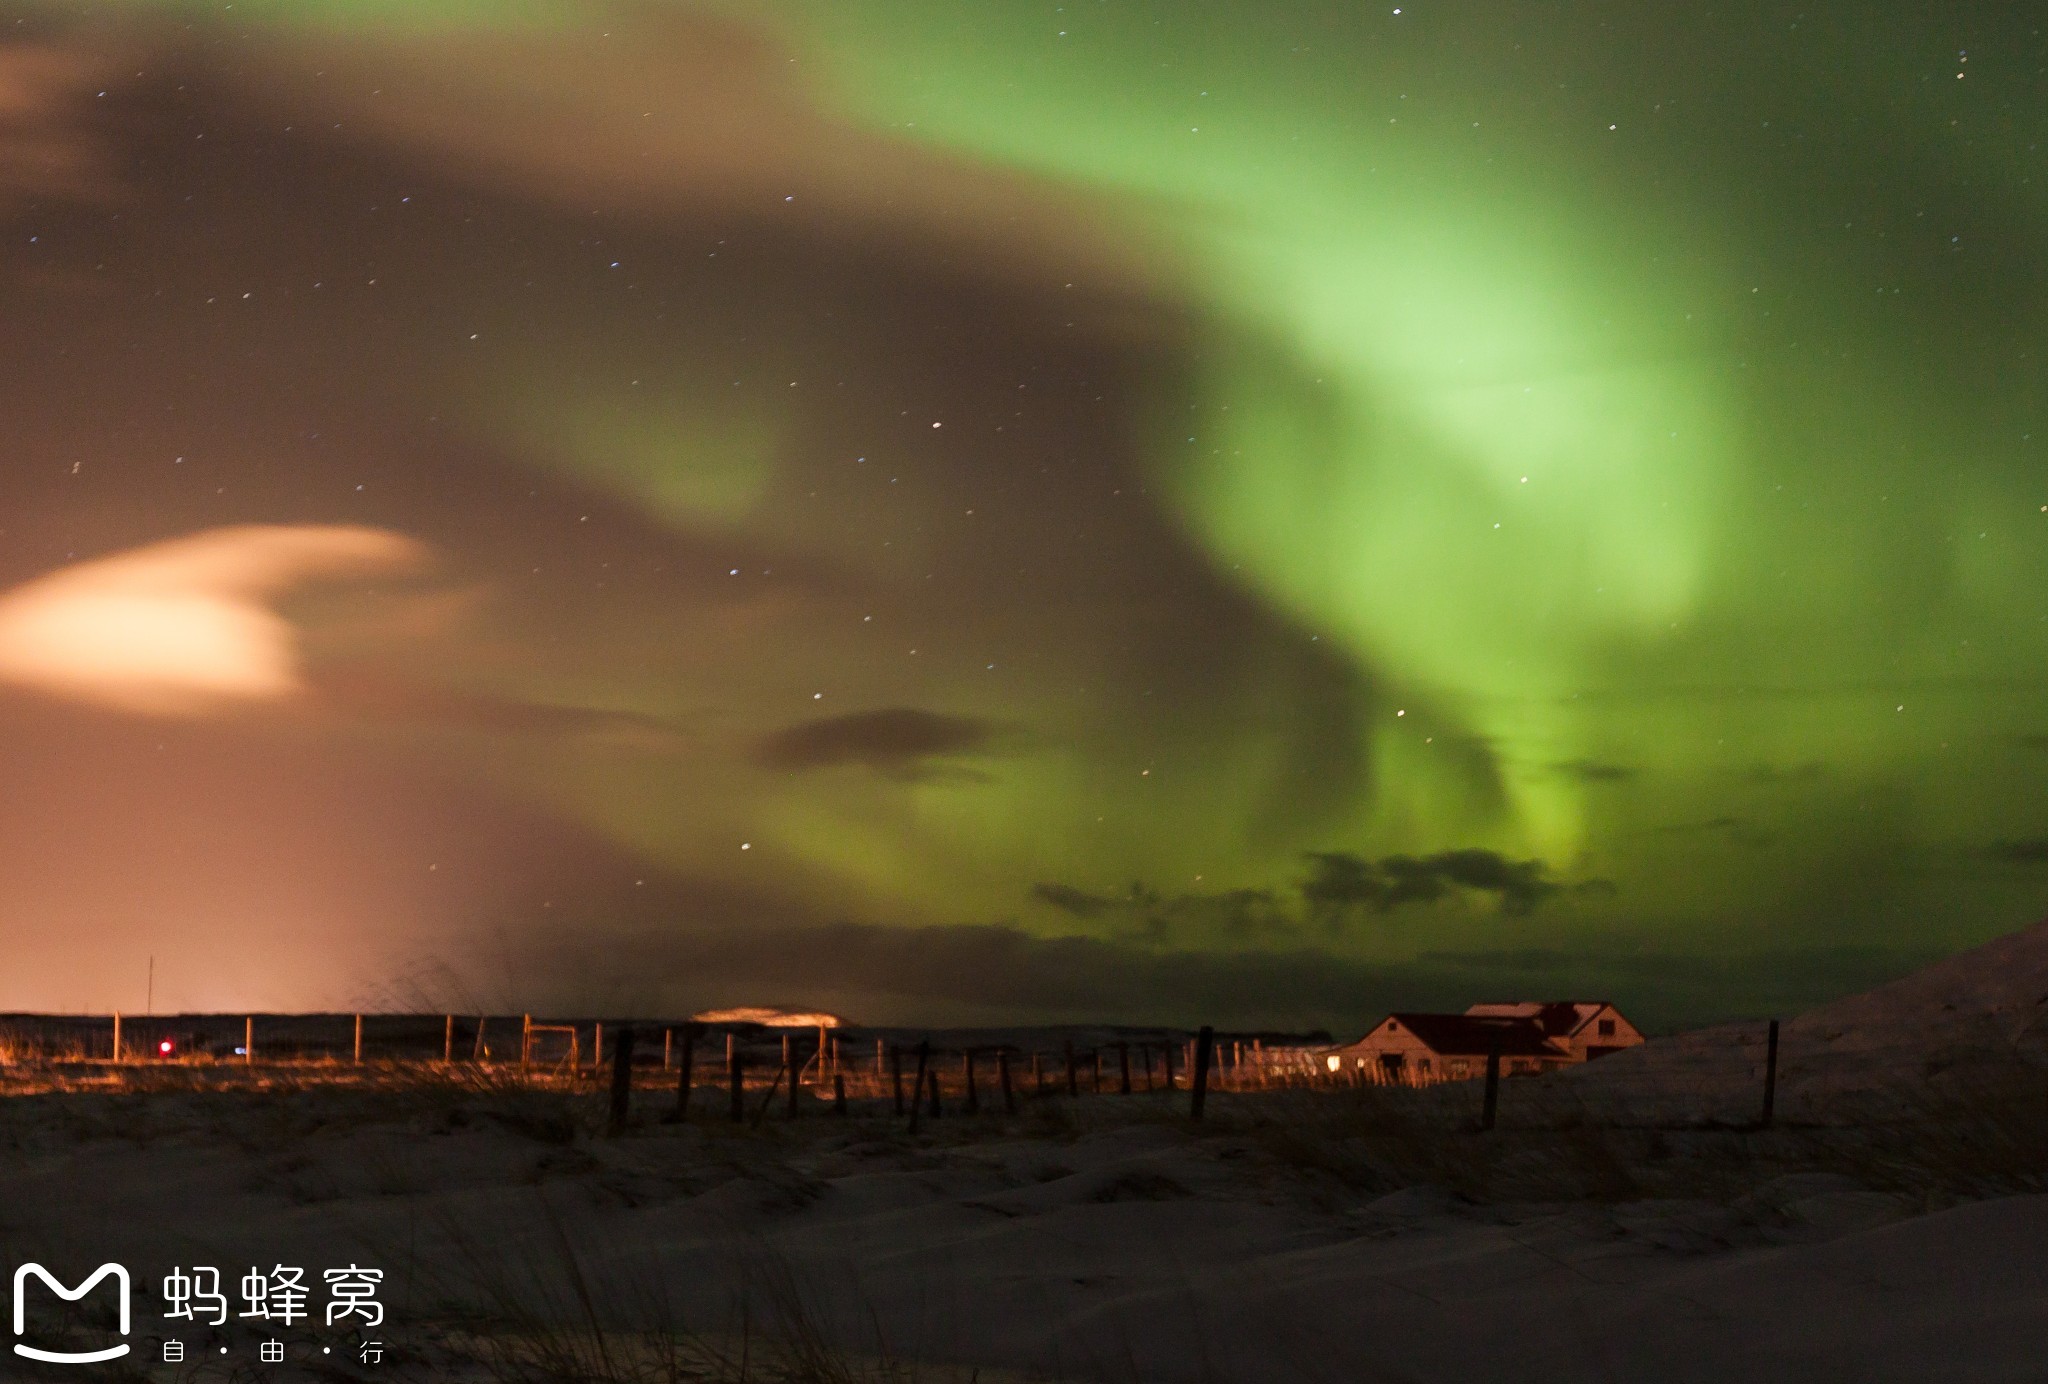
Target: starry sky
[[1252, 513]]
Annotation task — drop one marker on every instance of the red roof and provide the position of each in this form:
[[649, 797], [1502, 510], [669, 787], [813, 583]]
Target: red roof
[[1559, 1018], [1461, 1035]]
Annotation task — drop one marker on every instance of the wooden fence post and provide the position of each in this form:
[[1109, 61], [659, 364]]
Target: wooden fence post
[[477, 1055], [1491, 1103], [448, 1040], [924, 1053], [1205, 1043], [359, 1041], [1123, 1067], [249, 1040], [839, 1095], [1003, 1076], [117, 1037], [768, 1096], [622, 1081], [668, 1043], [525, 1040], [1770, 1074], [735, 1075], [685, 1073], [597, 1045]]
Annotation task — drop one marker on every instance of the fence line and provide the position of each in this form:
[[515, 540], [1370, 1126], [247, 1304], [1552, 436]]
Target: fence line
[[813, 1066]]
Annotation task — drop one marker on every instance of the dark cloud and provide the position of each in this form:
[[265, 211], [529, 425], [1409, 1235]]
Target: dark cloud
[[1231, 917], [898, 741], [1520, 883], [1078, 902], [2031, 850], [1342, 882], [1340, 888]]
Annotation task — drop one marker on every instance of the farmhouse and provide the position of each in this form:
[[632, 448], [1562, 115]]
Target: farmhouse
[[1586, 1029], [1533, 1036], [1418, 1049]]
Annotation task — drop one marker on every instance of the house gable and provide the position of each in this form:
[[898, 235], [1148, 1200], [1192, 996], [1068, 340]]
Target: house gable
[[1586, 1028]]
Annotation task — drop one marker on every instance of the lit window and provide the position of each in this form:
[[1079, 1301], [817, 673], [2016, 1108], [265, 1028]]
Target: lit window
[[1335, 1062]]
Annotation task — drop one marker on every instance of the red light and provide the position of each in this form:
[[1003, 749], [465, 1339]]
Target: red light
[[164, 1046]]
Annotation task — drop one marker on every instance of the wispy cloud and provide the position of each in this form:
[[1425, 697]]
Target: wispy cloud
[[183, 627]]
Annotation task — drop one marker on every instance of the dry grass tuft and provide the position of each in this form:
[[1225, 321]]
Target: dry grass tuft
[[1968, 1136]]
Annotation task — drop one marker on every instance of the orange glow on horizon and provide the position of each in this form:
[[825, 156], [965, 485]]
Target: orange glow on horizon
[[768, 1018]]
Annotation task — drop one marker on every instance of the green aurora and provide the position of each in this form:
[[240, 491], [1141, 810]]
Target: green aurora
[[1585, 459]]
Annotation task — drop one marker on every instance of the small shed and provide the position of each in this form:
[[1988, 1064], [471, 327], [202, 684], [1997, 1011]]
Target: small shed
[[1584, 1028], [1412, 1049]]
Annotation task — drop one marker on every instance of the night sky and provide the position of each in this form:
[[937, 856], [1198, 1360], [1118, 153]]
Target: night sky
[[961, 512]]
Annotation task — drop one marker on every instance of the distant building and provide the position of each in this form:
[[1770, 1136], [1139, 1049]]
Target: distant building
[[1413, 1049], [1584, 1028], [1418, 1049]]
